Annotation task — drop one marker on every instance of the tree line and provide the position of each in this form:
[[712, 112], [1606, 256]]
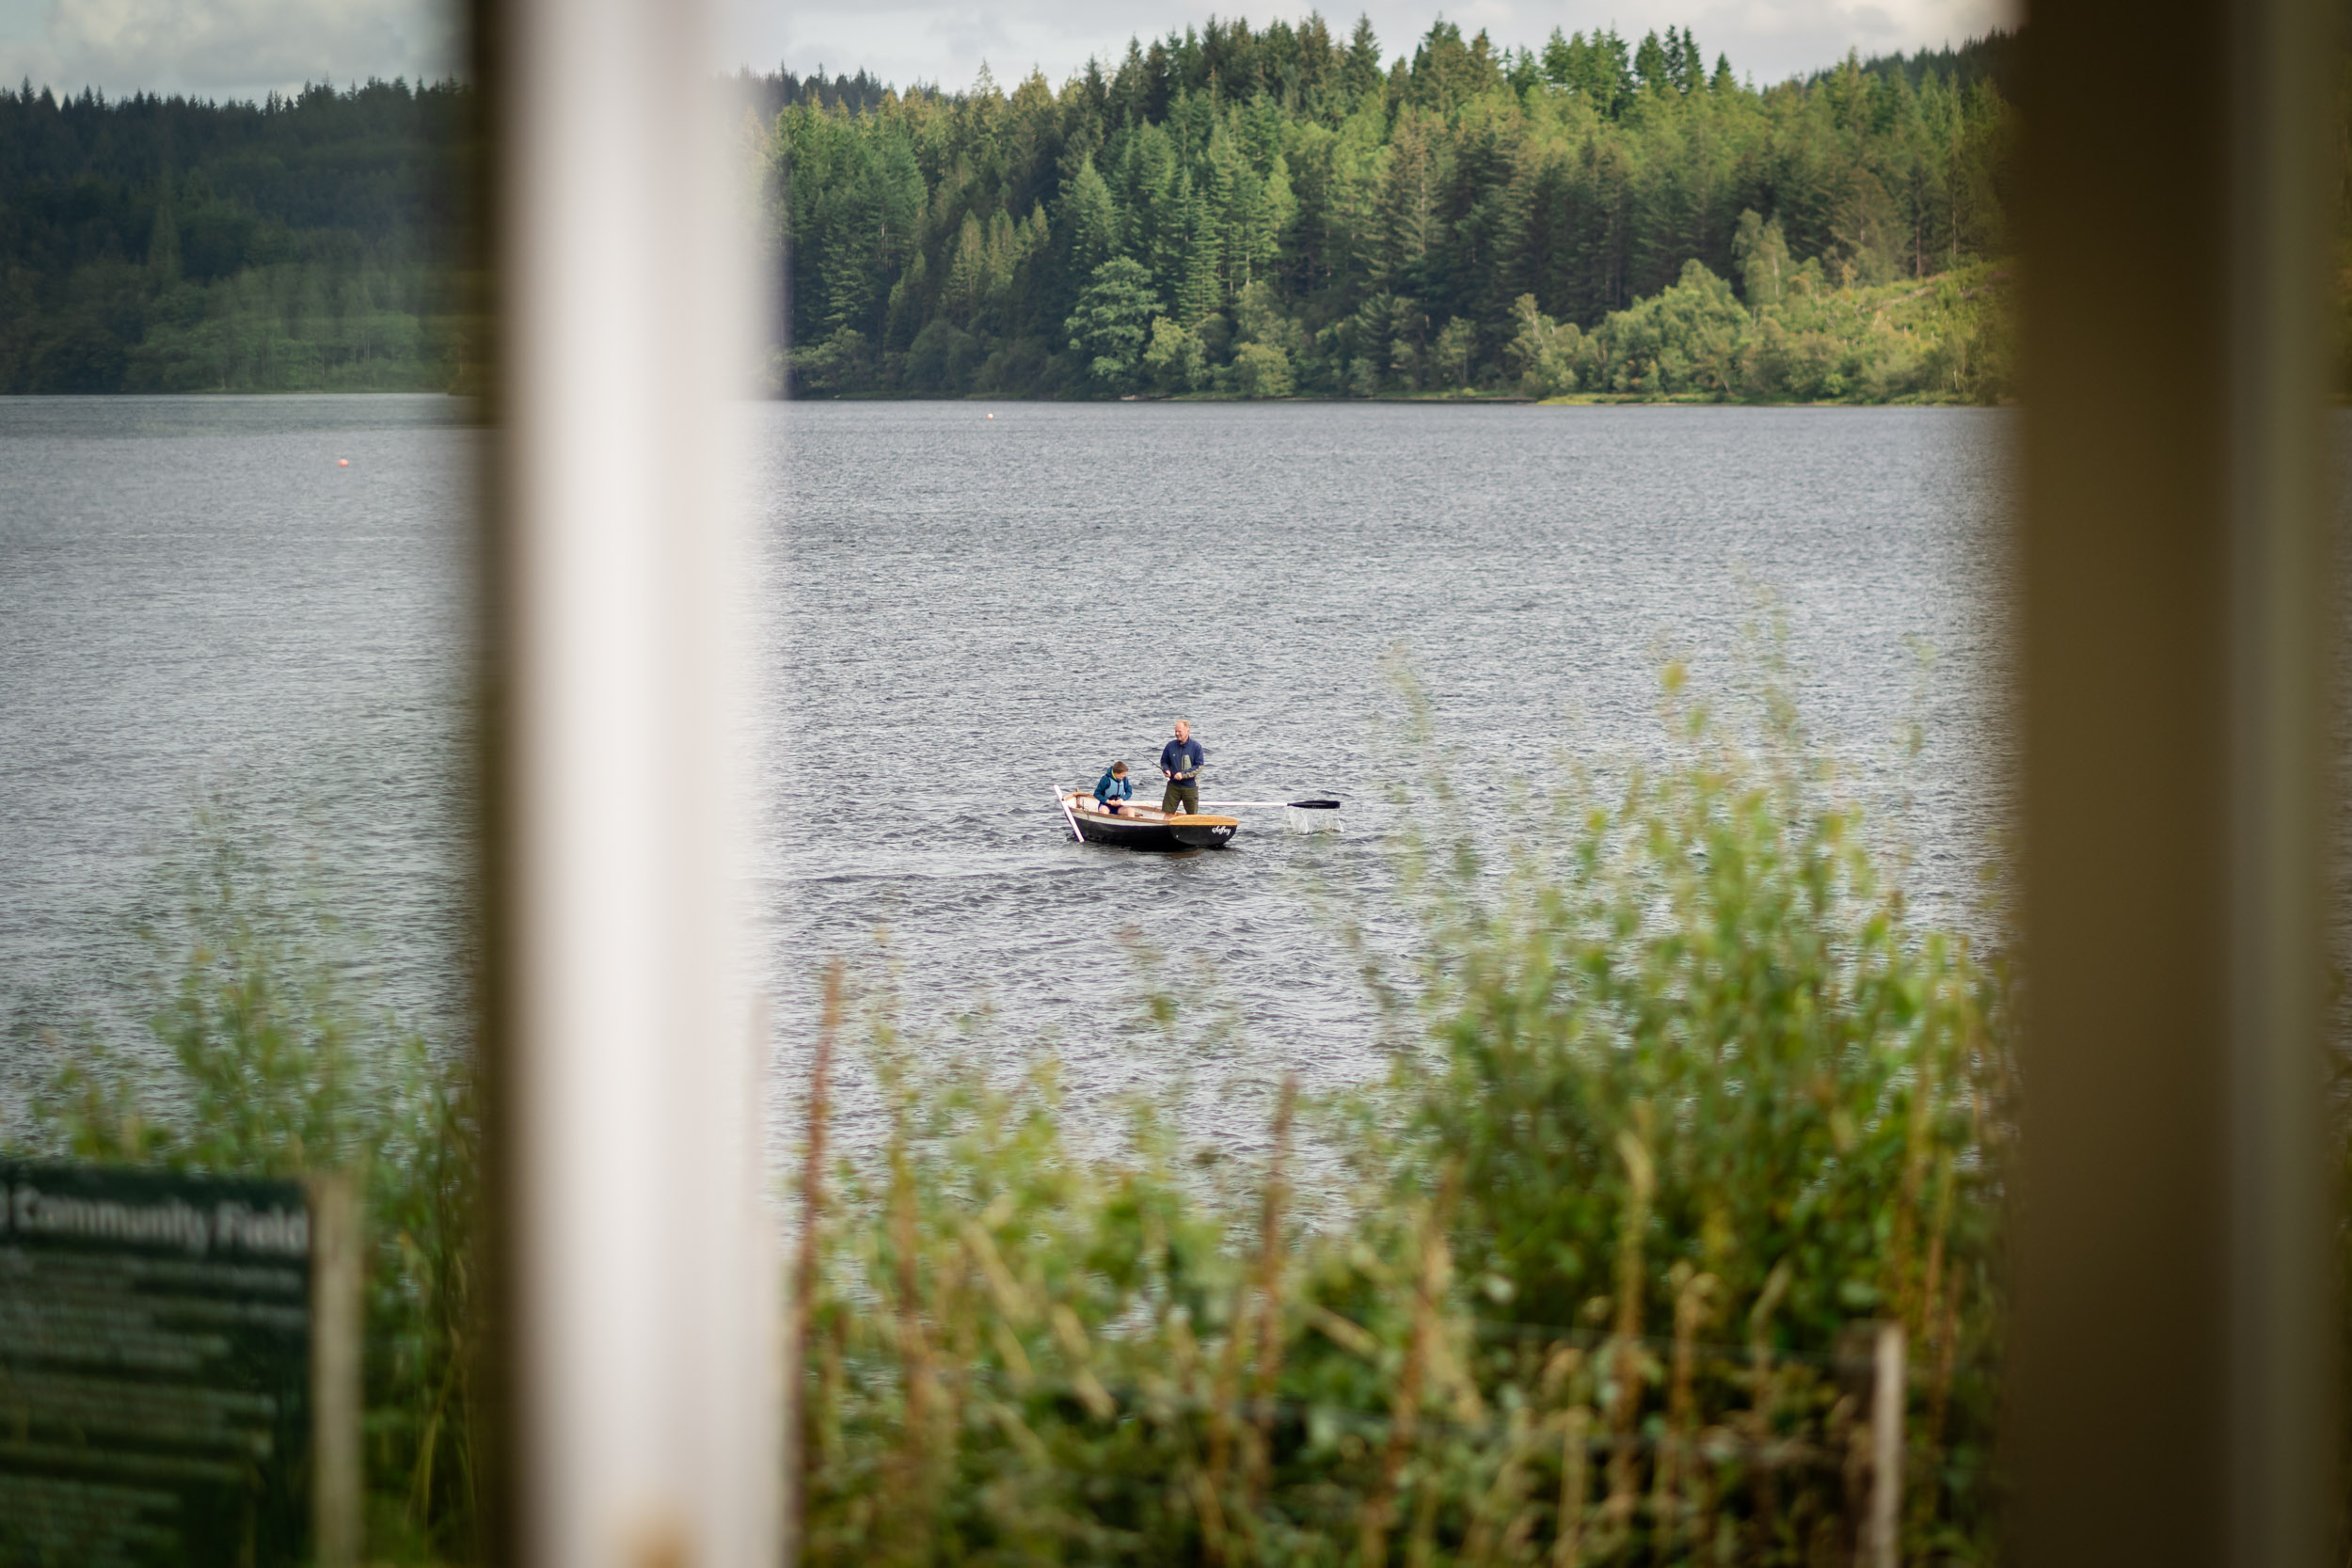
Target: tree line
[[1262, 211], [308, 241], [314, 241], [1253, 211]]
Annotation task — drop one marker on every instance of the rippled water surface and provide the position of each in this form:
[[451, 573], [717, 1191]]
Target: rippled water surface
[[976, 603], [198, 604], [967, 605]]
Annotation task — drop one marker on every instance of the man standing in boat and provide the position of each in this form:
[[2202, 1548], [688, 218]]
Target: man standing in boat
[[1182, 759]]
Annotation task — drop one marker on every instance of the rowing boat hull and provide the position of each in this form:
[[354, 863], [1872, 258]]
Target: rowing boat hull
[[1180, 834], [1146, 829]]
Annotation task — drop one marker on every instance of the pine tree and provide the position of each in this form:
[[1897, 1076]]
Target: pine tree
[[1091, 213], [1201, 293], [1112, 322], [1281, 175], [969, 274], [1674, 66], [1361, 73], [1762, 256], [1693, 77], [1650, 65], [163, 244], [1408, 200]]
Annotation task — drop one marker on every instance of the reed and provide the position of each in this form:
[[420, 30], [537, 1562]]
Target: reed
[[1760, 1415], [817, 1119], [1270, 1273], [1674, 1056], [1576, 1436], [1682, 1059], [1224, 1421], [1693, 1294], [261, 1054], [1378, 1512]]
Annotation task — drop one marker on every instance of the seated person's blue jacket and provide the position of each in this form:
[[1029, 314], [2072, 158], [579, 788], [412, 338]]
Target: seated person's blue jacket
[[1107, 789]]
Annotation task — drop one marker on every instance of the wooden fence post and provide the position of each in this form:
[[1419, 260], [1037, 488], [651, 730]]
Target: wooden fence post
[[2175, 623]]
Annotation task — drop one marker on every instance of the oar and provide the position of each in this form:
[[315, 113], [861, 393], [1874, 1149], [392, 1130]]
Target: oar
[[1240, 805], [1062, 800]]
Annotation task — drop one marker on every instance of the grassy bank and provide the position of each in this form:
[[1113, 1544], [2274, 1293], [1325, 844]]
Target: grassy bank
[[258, 1056], [1682, 1103]]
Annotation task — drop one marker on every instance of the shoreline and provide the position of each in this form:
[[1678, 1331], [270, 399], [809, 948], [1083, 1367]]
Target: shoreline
[[1447, 400]]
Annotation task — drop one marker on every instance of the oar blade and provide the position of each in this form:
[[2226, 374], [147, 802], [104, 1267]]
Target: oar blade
[[1312, 816]]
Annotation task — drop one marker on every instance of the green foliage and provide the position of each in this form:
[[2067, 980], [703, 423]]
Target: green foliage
[[1377, 209], [1684, 1103], [311, 243], [1177, 359], [1761, 253], [1452, 355], [1542, 350], [1683, 339], [1262, 371], [1113, 317], [1946, 340], [1708, 958], [1598, 71], [258, 1060]]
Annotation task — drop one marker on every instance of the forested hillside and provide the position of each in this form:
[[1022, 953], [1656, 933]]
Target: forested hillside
[[159, 245], [1232, 211], [1282, 210]]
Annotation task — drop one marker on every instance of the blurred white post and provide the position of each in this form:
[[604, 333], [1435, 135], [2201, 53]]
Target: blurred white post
[[640, 1275], [1889, 1385]]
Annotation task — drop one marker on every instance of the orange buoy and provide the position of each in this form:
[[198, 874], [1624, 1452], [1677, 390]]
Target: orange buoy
[[342, 462]]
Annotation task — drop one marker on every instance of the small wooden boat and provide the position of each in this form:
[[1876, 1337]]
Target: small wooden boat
[[1137, 826]]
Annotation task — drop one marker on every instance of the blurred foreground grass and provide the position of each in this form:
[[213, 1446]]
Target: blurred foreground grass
[[1683, 1104], [258, 1056]]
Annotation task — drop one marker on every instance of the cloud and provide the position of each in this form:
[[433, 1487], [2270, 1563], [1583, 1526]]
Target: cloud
[[910, 41], [228, 48], [246, 48]]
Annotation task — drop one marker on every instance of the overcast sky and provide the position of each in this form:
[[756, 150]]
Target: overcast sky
[[244, 48]]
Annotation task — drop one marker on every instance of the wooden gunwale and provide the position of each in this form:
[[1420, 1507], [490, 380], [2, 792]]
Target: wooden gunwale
[[1085, 805], [1141, 827]]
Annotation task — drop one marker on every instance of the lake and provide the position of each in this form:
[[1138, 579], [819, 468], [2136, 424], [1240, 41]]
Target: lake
[[965, 605]]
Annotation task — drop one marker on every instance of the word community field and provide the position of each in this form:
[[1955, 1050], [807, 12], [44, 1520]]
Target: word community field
[[154, 1355]]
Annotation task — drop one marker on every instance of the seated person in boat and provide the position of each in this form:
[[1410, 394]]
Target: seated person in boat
[[1182, 760], [1113, 790]]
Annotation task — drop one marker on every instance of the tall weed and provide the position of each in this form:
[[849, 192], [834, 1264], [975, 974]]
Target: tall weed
[[257, 1056], [1684, 1104], [1687, 1106]]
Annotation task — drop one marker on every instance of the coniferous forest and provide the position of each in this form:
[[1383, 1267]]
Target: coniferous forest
[[164, 246], [1279, 212], [1229, 211]]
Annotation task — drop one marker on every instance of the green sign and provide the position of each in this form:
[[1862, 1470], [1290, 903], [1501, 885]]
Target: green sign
[[155, 1362]]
